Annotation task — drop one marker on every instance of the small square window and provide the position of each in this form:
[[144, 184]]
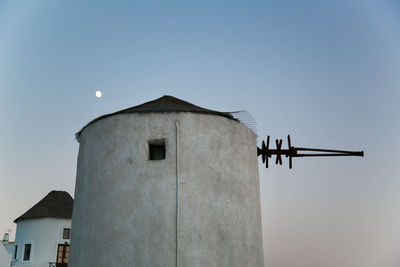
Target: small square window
[[66, 232], [156, 149], [27, 252]]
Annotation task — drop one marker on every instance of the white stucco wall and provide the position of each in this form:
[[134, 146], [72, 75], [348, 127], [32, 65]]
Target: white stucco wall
[[9, 247], [44, 234], [125, 205], [5, 256]]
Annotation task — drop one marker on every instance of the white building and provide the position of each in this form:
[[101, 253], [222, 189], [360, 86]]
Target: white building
[[164, 184], [43, 232], [5, 251]]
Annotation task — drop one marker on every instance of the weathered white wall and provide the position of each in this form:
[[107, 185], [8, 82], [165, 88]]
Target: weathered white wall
[[9, 247], [125, 205], [44, 234], [5, 256]]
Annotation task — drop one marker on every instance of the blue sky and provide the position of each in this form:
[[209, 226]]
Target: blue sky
[[324, 72]]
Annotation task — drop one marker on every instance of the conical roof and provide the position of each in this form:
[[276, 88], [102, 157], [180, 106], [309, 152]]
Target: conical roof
[[163, 104], [56, 204]]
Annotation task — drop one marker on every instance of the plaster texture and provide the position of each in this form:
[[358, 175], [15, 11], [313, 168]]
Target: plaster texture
[[5, 255], [125, 208], [44, 234]]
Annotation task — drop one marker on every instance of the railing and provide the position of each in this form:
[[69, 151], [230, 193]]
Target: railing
[[54, 264]]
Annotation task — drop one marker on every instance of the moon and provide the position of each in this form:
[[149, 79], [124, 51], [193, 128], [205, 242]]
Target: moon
[[98, 94]]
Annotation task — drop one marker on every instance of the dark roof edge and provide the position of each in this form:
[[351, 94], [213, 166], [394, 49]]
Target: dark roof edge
[[136, 109], [56, 204], [41, 217]]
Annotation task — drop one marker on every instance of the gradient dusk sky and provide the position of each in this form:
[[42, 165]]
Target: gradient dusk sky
[[325, 72]]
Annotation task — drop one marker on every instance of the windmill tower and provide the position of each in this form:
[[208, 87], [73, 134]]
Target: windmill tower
[[167, 183]]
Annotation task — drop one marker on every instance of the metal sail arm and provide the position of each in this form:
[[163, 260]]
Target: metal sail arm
[[356, 153], [292, 152]]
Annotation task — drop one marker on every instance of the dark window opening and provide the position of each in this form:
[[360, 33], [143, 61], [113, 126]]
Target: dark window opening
[[66, 232], [27, 252], [156, 150], [15, 252]]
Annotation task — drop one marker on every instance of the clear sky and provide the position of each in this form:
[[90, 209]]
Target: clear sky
[[325, 72]]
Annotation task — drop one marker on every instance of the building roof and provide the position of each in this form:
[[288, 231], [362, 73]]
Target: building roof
[[56, 204], [161, 105]]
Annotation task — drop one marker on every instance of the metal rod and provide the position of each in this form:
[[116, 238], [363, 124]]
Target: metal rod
[[329, 150], [293, 151], [322, 155], [177, 229]]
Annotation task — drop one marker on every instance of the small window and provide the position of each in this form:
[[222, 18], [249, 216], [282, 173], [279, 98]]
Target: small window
[[156, 149], [15, 252], [66, 232], [27, 252]]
